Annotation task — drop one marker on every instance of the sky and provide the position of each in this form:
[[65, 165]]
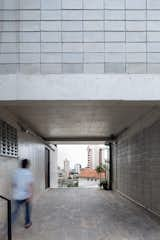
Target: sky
[[74, 153]]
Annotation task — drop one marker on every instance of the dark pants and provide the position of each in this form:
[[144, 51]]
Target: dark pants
[[18, 204]]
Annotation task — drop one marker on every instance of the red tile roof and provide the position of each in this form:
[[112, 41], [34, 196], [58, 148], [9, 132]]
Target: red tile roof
[[90, 173]]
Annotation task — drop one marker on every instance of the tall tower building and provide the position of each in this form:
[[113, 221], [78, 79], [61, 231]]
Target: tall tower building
[[90, 157], [67, 167], [96, 156], [100, 156]]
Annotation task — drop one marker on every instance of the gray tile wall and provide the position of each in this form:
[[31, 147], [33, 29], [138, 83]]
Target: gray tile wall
[[28, 147], [137, 167], [80, 36]]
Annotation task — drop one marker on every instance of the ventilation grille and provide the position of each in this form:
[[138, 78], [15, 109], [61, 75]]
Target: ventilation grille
[[8, 140]]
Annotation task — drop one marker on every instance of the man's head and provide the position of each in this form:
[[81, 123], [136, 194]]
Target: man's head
[[25, 163]]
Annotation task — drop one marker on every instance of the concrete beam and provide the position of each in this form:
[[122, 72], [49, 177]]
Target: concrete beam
[[79, 140], [137, 87]]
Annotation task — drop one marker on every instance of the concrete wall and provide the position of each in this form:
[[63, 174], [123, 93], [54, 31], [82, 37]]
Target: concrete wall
[[137, 166], [31, 147], [130, 87], [79, 36], [53, 168]]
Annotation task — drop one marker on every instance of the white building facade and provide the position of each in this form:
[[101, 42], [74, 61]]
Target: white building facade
[[84, 70], [77, 168], [79, 36], [67, 167]]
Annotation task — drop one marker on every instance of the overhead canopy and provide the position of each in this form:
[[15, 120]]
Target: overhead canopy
[[58, 121]]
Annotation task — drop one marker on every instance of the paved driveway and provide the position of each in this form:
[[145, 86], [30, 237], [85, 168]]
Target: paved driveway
[[88, 214]]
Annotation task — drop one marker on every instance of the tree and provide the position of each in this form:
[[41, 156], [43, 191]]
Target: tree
[[105, 170], [99, 170]]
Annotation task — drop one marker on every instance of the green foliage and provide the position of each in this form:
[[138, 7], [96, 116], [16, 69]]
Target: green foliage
[[76, 184], [100, 169], [104, 184], [104, 167], [69, 185], [73, 184]]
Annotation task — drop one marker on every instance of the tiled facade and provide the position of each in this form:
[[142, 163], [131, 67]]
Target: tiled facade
[[29, 146], [137, 166], [79, 36]]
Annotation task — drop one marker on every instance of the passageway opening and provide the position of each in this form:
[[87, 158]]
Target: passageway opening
[[86, 165]]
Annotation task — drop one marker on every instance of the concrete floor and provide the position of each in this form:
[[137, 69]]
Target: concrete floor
[[88, 214]]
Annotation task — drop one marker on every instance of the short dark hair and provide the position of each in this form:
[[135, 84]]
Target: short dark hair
[[25, 163]]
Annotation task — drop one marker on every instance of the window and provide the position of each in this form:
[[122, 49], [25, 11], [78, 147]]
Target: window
[[8, 140]]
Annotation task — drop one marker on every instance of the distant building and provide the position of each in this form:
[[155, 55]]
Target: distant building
[[67, 167], [61, 173], [77, 168], [97, 155], [100, 156], [90, 157]]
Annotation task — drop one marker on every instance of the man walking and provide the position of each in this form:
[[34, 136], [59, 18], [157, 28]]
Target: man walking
[[23, 191]]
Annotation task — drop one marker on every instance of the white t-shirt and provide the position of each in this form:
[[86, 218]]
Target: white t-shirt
[[21, 182]]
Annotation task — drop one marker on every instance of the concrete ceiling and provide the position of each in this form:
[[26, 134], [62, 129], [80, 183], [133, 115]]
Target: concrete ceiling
[[79, 119]]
